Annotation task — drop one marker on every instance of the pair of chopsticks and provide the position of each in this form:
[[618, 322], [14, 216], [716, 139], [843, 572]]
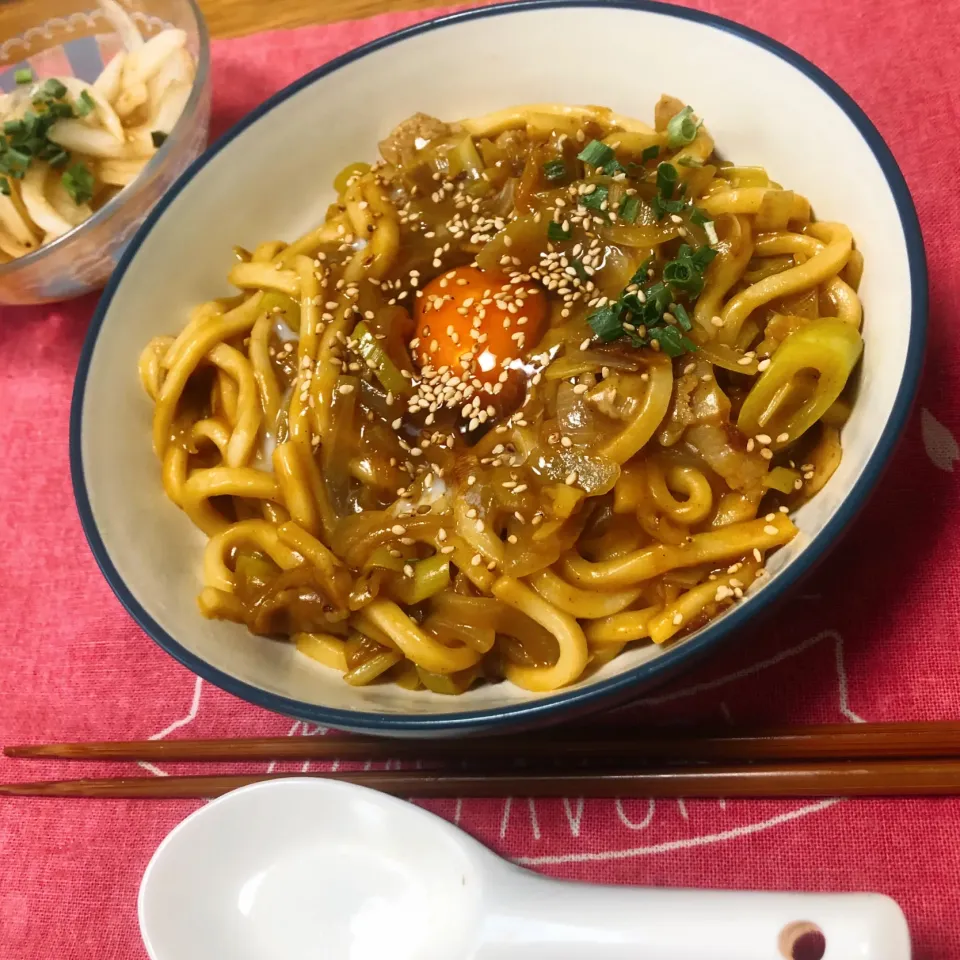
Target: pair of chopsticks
[[870, 759]]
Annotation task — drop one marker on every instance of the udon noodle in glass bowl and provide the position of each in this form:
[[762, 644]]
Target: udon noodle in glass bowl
[[526, 410]]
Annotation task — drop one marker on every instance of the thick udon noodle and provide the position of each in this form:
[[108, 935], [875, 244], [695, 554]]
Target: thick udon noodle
[[402, 519]]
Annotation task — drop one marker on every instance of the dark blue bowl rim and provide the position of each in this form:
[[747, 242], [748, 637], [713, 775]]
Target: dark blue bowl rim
[[551, 707]]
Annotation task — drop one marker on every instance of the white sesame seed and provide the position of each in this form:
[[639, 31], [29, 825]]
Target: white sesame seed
[[770, 530], [677, 619]]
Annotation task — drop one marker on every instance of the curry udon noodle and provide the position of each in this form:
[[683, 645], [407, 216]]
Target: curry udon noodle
[[543, 384]]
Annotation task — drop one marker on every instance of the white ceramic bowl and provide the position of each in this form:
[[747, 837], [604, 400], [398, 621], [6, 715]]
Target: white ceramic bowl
[[764, 104]]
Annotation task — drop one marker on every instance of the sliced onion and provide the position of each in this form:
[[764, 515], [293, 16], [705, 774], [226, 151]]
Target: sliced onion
[[123, 23], [724, 454], [61, 201], [79, 137], [38, 206], [144, 63], [108, 84], [102, 109]]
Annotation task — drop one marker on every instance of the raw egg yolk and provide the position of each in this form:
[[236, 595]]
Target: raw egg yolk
[[477, 323]]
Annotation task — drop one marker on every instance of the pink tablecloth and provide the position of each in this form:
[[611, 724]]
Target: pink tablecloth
[[873, 636]]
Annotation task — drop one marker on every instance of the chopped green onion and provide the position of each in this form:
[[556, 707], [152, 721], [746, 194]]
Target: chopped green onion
[[596, 154], [58, 158], [555, 231], [658, 297], [641, 276], [5, 186], [158, 137], [554, 170], [60, 110], [14, 162], [698, 216], [647, 314], [682, 128], [430, 576], [27, 139], [703, 257], [85, 104], [596, 199], [605, 322], [686, 271], [612, 167], [680, 273], [690, 162], [24, 75], [53, 88], [385, 369], [650, 153], [683, 318], [581, 270], [662, 207], [78, 182], [672, 342], [666, 179], [633, 303], [629, 210]]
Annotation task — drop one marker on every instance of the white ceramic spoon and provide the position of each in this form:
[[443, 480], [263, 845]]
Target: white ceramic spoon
[[306, 869]]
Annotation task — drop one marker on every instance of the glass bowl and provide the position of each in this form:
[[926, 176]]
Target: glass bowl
[[75, 38]]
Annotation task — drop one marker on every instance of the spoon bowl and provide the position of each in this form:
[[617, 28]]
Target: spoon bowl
[[260, 874], [308, 869]]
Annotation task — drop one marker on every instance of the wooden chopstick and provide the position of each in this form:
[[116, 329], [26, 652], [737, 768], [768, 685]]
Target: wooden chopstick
[[849, 779], [826, 741]]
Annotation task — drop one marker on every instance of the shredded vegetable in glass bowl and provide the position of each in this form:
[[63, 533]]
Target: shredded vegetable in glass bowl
[[89, 149]]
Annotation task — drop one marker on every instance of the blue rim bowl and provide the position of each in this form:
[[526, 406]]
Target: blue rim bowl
[[600, 693]]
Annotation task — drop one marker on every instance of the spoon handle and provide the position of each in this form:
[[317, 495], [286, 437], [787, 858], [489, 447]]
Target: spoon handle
[[535, 918]]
